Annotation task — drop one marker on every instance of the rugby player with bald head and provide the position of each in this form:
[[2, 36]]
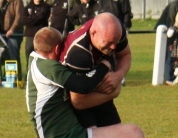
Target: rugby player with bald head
[[103, 37]]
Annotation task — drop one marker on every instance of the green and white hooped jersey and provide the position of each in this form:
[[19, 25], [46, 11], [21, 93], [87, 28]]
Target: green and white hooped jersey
[[47, 101]]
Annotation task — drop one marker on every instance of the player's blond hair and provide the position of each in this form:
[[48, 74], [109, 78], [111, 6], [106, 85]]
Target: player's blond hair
[[46, 39]]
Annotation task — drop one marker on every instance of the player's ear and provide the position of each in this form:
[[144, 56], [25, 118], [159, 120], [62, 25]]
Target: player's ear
[[92, 32], [57, 49]]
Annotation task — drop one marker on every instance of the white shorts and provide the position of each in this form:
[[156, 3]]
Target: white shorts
[[89, 131]]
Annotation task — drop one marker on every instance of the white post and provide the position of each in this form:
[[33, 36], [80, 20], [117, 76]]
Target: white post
[[159, 57]]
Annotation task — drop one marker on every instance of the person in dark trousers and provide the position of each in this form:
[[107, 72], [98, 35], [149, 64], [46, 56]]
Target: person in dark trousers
[[168, 18], [11, 26], [35, 17], [172, 34]]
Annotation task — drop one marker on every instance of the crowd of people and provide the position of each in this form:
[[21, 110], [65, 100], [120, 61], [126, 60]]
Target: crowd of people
[[24, 18]]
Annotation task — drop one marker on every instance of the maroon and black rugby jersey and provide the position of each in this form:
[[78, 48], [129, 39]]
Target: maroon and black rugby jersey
[[78, 52]]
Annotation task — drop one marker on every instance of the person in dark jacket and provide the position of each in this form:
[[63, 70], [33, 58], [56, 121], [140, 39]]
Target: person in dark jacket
[[120, 8], [35, 17], [168, 18], [88, 9], [83, 12], [58, 18]]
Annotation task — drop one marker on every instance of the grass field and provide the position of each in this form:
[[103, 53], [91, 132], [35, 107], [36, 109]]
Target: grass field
[[153, 108]]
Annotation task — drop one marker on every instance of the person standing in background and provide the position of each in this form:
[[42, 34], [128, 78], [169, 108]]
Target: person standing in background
[[35, 17], [172, 35], [58, 18], [168, 18], [11, 26], [120, 8], [83, 12], [88, 9]]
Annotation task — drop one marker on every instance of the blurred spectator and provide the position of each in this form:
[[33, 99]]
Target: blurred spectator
[[78, 2], [4, 55], [83, 12], [58, 18], [88, 9], [175, 81], [25, 2], [35, 16], [168, 18], [50, 2], [10, 25], [120, 8], [172, 34]]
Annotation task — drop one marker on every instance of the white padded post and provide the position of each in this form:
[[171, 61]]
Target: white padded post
[[159, 57]]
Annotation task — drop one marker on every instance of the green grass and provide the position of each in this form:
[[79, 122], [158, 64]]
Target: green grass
[[153, 108], [147, 24]]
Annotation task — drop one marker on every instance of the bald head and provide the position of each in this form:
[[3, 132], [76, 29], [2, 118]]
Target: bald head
[[105, 32], [107, 21], [46, 39]]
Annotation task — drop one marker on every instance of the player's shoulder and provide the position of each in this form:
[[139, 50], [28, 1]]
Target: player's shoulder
[[48, 64]]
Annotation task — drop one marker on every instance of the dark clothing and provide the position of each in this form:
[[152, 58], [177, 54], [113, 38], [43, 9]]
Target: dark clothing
[[174, 52], [169, 61], [29, 47], [3, 56], [14, 44], [12, 23], [90, 82], [171, 56], [59, 11], [77, 2], [168, 15], [103, 115], [120, 8], [81, 57], [34, 18], [13, 16], [85, 61], [168, 18], [83, 12], [37, 19]]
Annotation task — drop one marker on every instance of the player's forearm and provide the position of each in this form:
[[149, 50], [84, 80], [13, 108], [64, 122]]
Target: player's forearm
[[123, 63], [92, 99], [84, 84]]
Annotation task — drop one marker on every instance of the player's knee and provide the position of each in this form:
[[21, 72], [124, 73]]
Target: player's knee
[[135, 131]]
